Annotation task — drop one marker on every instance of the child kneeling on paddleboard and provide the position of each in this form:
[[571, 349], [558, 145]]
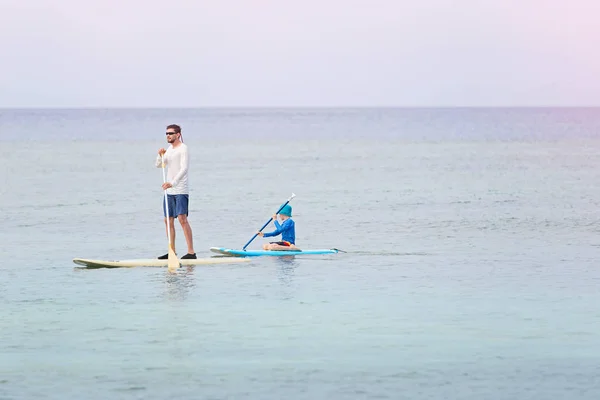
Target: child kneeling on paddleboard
[[286, 229]]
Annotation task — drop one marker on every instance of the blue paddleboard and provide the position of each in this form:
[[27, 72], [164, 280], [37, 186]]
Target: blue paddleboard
[[256, 253]]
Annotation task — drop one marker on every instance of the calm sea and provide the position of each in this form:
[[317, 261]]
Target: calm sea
[[471, 267]]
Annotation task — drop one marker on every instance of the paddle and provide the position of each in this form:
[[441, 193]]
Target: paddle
[[267, 223], [173, 262]]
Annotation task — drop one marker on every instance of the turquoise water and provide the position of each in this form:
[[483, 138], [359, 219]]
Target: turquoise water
[[470, 269]]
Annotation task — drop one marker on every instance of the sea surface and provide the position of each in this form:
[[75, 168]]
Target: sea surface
[[471, 267]]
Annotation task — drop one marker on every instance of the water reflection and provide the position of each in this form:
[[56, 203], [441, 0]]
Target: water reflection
[[286, 269], [179, 284]]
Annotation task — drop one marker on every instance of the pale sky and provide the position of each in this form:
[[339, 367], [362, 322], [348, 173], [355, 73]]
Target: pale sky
[[185, 53]]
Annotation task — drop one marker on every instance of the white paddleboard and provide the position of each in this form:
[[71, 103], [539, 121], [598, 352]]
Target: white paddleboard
[[154, 262]]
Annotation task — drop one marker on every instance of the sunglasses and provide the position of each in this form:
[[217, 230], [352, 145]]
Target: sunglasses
[[171, 133]]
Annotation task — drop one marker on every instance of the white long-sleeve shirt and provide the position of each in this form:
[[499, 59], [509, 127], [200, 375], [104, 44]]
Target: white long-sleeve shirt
[[177, 164]]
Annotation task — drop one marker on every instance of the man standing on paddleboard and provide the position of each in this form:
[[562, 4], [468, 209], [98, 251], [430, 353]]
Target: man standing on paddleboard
[[177, 163]]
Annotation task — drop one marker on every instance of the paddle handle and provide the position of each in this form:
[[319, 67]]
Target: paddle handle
[[269, 221]]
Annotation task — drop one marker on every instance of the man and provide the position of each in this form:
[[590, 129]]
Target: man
[[176, 185]]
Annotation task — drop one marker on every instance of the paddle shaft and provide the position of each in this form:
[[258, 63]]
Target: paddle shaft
[[269, 221], [173, 261], [166, 200]]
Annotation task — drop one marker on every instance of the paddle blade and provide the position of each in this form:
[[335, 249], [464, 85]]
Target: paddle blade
[[173, 262]]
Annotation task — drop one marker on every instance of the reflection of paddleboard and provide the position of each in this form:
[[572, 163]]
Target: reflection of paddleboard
[[256, 253], [151, 262]]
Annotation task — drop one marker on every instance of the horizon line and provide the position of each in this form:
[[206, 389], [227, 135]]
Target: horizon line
[[290, 107]]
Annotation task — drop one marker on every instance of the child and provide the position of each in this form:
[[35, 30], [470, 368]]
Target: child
[[287, 230]]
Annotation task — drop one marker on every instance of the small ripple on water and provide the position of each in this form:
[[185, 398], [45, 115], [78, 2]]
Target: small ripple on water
[[388, 253], [130, 389]]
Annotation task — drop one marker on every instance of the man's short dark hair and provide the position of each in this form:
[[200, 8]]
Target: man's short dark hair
[[175, 127]]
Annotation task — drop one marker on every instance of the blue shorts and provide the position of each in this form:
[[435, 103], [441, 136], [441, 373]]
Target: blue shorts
[[178, 204]]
